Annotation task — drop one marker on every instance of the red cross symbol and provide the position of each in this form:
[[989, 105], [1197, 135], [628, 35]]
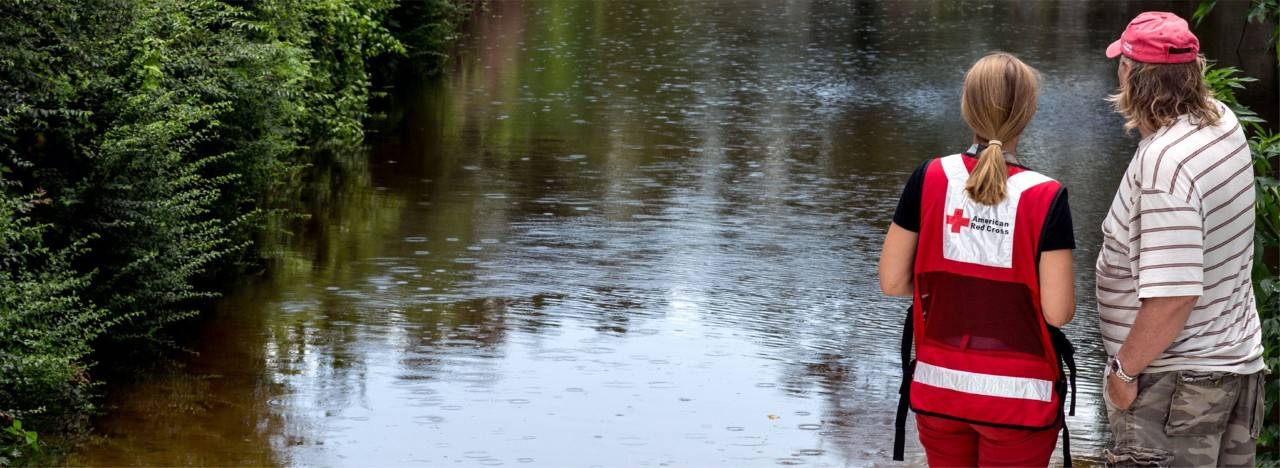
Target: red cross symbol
[[957, 220]]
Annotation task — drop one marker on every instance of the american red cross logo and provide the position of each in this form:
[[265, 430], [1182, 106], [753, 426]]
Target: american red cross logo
[[957, 220]]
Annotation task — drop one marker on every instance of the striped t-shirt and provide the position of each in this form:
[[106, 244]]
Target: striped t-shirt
[[1181, 224]]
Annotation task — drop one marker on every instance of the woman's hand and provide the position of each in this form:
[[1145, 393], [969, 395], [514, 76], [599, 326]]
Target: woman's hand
[[1121, 393]]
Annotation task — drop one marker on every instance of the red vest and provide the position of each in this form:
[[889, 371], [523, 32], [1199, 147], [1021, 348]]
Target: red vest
[[983, 351]]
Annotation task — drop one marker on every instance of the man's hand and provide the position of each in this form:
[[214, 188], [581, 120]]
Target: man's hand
[[1121, 393], [1159, 321]]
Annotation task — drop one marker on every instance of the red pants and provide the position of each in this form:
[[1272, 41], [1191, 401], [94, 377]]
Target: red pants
[[954, 443]]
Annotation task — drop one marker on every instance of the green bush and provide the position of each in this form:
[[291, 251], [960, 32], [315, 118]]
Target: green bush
[[142, 146], [1266, 283], [427, 28], [46, 326], [18, 444]]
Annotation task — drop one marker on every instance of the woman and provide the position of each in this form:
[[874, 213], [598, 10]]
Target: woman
[[983, 245]]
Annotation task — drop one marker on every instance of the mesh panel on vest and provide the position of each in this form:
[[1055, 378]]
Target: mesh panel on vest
[[1000, 318]]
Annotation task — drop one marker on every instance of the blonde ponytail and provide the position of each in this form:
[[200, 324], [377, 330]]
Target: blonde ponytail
[[998, 101], [986, 182]]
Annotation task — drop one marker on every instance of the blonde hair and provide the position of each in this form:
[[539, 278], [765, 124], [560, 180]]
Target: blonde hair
[[1154, 95], [998, 101]]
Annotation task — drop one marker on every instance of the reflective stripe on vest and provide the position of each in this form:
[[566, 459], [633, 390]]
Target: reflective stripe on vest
[[984, 384]]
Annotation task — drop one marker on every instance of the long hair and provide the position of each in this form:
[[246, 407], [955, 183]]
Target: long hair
[[998, 101], [1156, 94]]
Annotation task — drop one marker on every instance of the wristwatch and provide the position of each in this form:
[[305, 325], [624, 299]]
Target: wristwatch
[[1115, 368]]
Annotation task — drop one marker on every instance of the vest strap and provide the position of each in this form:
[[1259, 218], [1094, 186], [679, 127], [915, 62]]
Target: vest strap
[[904, 392], [1066, 355], [1066, 445]]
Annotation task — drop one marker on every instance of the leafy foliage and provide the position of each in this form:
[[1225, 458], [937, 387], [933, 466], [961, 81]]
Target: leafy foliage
[[141, 143], [18, 443], [46, 326], [427, 28], [1262, 11]]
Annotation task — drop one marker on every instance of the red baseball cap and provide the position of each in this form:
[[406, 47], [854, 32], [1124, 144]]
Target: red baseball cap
[[1156, 37]]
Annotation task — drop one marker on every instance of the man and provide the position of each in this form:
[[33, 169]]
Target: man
[[1175, 303]]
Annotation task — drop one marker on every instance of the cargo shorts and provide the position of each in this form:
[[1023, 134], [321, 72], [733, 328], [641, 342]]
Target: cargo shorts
[[1188, 418]]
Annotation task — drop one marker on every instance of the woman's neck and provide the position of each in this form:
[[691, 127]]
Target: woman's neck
[[1009, 148]]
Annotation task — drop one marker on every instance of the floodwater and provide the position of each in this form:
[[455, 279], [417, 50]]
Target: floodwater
[[627, 234]]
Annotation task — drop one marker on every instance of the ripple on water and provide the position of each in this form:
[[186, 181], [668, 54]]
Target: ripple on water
[[429, 419], [298, 306], [749, 441], [556, 354], [661, 384], [427, 402]]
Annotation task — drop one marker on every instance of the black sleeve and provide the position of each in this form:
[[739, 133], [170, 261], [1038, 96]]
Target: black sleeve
[[907, 216], [1057, 232]]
